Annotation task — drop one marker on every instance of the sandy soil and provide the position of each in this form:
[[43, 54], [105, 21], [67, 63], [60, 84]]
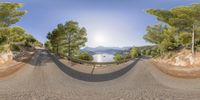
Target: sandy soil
[[14, 65], [178, 71]]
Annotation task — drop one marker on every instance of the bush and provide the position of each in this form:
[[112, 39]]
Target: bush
[[135, 52], [198, 49], [2, 48], [85, 56], [127, 57], [148, 52], [118, 57], [154, 53], [15, 48]]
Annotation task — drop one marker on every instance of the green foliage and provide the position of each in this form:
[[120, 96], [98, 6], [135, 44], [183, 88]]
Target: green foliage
[[183, 17], [148, 52], [3, 39], [12, 37], [2, 48], [152, 51], [185, 38], [67, 38], [127, 56], [118, 57], [134, 52], [15, 47], [48, 45], [9, 13], [30, 41], [181, 22], [155, 34], [165, 37], [85, 56], [145, 50]]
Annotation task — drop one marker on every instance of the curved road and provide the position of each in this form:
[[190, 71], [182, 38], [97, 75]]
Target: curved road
[[44, 79]]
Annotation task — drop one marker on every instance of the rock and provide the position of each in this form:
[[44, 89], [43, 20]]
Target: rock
[[190, 58], [180, 62], [6, 56], [182, 58], [2, 61]]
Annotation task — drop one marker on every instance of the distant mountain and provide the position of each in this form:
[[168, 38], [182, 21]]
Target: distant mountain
[[101, 49], [91, 52]]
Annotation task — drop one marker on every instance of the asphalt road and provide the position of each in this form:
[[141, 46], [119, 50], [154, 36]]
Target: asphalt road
[[45, 78]]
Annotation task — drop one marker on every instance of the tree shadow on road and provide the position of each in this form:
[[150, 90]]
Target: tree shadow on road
[[93, 77]]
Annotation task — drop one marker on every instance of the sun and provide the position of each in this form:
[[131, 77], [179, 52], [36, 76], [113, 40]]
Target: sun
[[98, 39]]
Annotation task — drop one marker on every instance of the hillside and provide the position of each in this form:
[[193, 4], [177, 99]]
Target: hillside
[[101, 49], [180, 58]]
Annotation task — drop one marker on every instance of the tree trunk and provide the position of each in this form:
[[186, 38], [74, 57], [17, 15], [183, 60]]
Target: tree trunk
[[69, 46], [193, 40], [69, 50], [57, 49]]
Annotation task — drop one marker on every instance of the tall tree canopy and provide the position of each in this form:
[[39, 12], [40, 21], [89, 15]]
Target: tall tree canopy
[[13, 35], [165, 37], [67, 38], [9, 14], [186, 20]]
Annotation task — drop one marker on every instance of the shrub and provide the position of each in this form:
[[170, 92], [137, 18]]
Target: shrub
[[85, 56], [127, 57], [15, 48], [118, 57], [148, 52], [135, 52]]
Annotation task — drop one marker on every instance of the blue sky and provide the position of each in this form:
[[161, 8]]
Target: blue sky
[[115, 23]]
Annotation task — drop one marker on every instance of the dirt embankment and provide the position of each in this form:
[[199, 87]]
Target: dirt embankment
[[5, 57], [179, 64], [178, 71], [180, 58], [13, 65]]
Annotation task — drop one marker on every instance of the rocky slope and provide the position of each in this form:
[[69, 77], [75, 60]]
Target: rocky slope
[[5, 56], [181, 58]]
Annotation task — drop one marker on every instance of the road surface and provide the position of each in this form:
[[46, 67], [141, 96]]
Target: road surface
[[43, 79]]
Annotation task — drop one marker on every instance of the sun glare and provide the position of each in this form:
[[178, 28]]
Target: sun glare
[[99, 39]]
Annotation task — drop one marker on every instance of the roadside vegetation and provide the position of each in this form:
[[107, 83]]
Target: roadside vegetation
[[130, 54], [67, 39], [12, 37], [179, 28], [84, 56], [178, 31]]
